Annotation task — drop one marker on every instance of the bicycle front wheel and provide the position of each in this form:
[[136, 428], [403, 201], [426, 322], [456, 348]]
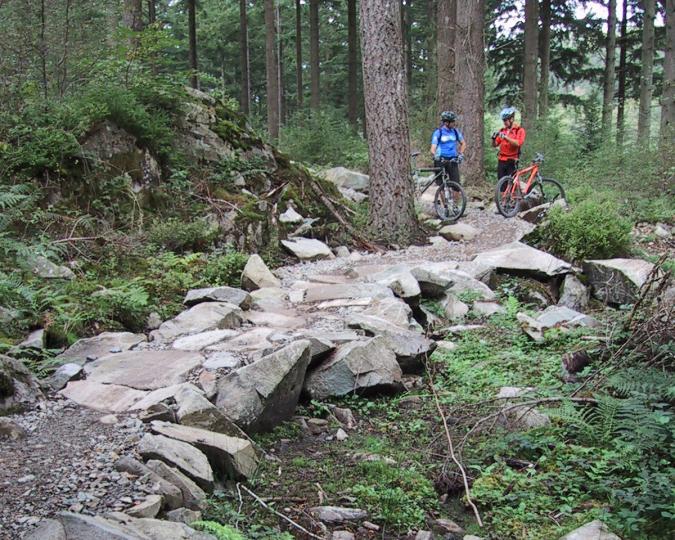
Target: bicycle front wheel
[[552, 191], [450, 201], [508, 197]]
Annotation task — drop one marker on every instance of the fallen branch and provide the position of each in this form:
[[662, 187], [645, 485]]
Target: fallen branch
[[279, 514]]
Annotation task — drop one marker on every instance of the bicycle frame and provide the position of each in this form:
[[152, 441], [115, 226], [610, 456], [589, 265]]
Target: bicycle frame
[[534, 173], [438, 172]]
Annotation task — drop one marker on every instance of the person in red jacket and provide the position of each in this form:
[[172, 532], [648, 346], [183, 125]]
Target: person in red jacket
[[510, 141]]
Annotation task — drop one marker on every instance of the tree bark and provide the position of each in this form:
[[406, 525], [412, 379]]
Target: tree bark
[[621, 91], [43, 50], [192, 37], [298, 51], [610, 60], [647, 76], [280, 56], [391, 211], [132, 15], [667, 129], [470, 87], [406, 18], [314, 67], [152, 12], [544, 56], [446, 20], [352, 44], [272, 69], [245, 99], [530, 63], [430, 71]]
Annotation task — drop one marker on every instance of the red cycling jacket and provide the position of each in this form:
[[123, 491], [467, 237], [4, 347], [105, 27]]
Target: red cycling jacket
[[506, 150]]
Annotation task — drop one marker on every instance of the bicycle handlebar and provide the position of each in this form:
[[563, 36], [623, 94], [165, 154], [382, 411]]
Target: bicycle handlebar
[[538, 158]]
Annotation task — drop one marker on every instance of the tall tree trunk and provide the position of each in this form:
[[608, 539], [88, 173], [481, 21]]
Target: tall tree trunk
[[132, 15], [530, 63], [43, 50], [470, 87], [63, 62], [272, 68], [621, 91], [192, 35], [647, 76], [430, 71], [152, 12], [544, 56], [314, 67], [668, 95], [406, 17], [245, 99], [610, 60], [298, 51], [280, 56], [352, 44], [446, 20], [391, 211]]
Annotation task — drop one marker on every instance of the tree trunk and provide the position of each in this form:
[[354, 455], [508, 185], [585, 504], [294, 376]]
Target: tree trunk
[[43, 50], [406, 17], [647, 77], [298, 51], [391, 211], [245, 99], [192, 33], [430, 71], [272, 68], [621, 92], [470, 87], [530, 63], [314, 101], [610, 60], [446, 20], [544, 56], [280, 57], [132, 15], [152, 12], [352, 44], [668, 96]]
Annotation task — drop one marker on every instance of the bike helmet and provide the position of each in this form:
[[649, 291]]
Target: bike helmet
[[508, 112], [448, 116]]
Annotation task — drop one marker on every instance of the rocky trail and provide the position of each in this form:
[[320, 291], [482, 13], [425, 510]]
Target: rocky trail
[[137, 430]]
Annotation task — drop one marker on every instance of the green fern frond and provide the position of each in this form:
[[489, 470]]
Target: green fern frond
[[221, 532]]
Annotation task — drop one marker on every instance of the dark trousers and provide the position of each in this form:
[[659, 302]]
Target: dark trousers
[[506, 168], [450, 167]]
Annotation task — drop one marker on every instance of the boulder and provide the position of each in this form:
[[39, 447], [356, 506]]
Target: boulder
[[157, 411], [231, 456], [290, 216], [18, 386], [155, 529], [344, 178], [102, 397], [144, 370], [183, 515], [308, 249], [259, 396], [195, 410], [353, 195], [487, 309], [535, 214], [524, 417], [554, 316], [454, 308], [574, 295], [400, 280], [238, 297], [47, 529], [358, 367], [257, 275], [595, 530], [617, 281], [62, 376], [197, 342], [11, 430], [520, 258], [342, 251], [337, 514], [394, 311], [171, 494], [194, 497], [458, 232], [160, 395], [188, 459], [46, 269], [199, 318], [35, 340], [148, 508], [82, 527], [92, 348], [447, 529]]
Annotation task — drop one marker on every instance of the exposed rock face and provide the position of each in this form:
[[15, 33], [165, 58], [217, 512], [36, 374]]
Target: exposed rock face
[[320, 293], [344, 178], [400, 280], [103, 344], [197, 342], [595, 530], [199, 318], [36, 340], [196, 411], [617, 281], [256, 275], [360, 366], [259, 396], [234, 457], [171, 494], [308, 249], [575, 295], [238, 297], [523, 259], [18, 386], [194, 497]]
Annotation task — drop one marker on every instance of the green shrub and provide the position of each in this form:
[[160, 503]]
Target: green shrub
[[589, 230], [225, 269], [221, 532], [180, 236]]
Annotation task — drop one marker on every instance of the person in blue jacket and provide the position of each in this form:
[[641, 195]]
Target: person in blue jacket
[[448, 145]]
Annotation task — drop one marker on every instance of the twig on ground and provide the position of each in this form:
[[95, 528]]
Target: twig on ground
[[279, 514]]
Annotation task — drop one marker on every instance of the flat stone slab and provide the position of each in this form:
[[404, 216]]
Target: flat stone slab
[[288, 319], [308, 249], [200, 318], [458, 232], [521, 258], [340, 291], [617, 281], [197, 342], [144, 370], [337, 514], [102, 397], [595, 530], [231, 295], [194, 497], [161, 394], [101, 345]]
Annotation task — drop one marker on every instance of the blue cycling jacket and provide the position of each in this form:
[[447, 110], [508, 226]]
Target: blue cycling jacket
[[447, 141]]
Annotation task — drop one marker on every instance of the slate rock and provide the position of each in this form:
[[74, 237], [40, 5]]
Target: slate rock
[[574, 295], [337, 514], [231, 295], [87, 349], [259, 396], [63, 375], [148, 508], [35, 340], [595, 530], [47, 529], [46, 269], [197, 342], [82, 527], [11, 430], [344, 178], [102, 397], [18, 386], [520, 258], [183, 515], [322, 293], [400, 280], [459, 232], [155, 529], [256, 275], [171, 494], [193, 496], [290, 216], [199, 318], [617, 281], [308, 249], [195, 410]]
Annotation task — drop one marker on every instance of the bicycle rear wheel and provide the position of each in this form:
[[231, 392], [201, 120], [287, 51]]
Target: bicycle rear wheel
[[450, 201], [507, 200], [552, 191]]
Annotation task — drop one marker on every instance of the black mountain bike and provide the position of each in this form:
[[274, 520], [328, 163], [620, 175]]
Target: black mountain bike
[[450, 199]]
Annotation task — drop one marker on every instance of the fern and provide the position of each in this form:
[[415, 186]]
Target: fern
[[220, 531]]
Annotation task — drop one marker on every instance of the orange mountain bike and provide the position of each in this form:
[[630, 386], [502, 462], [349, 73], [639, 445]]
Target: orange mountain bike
[[512, 191]]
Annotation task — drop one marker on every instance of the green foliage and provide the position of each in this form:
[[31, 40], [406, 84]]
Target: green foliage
[[589, 230], [179, 236], [225, 268], [221, 532]]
